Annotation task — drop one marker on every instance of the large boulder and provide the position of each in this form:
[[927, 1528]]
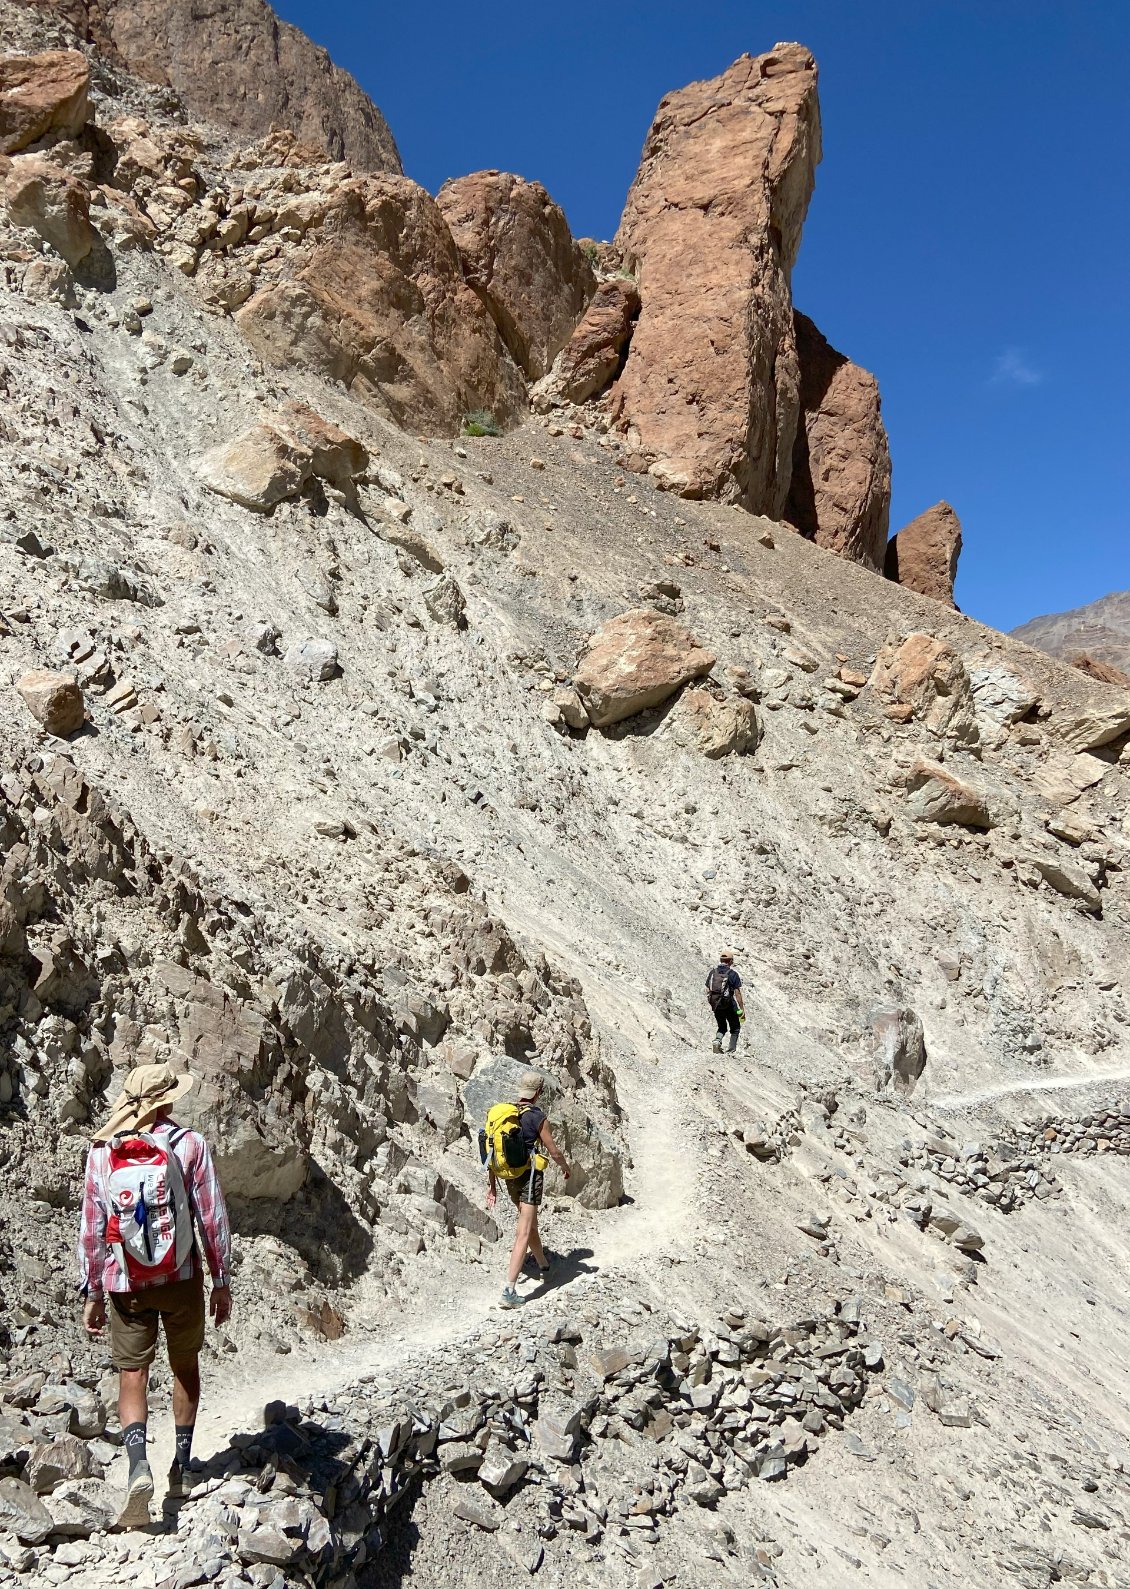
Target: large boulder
[[597, 1179], [923, 555], [1000, 696], [54, 700], [274, 460], [935, 795], [379, 304], [520, 257], [710, 392], [258, 469], [235, 64], [38, 194], [635, 661], [714, 726], [1092, 728], [840, 496], [592, 355], [41, 95], [924, 677]]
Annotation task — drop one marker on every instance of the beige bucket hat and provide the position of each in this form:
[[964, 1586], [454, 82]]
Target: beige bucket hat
[[148, 1089]]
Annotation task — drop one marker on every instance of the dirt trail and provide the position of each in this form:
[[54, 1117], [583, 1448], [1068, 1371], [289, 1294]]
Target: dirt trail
[[966, 1100], [661, 1216]]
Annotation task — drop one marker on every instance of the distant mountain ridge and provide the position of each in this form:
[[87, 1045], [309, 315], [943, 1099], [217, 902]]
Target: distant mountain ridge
[[1099, 631]]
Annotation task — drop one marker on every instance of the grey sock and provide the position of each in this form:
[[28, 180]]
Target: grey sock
[[133, 1438]]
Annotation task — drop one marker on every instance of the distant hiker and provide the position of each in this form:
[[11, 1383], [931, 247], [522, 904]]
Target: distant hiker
[[725, 997], [510, 1147], [147, 1180]]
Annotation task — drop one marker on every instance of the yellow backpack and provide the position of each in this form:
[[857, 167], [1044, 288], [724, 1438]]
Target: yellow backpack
[[502, 1147]]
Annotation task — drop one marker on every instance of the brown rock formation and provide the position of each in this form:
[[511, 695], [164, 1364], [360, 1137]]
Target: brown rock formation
[[591, 357], [923, 555], [1104, 672], [840, 496], [634, 661], [40, 95], [380, 303], [519, 255], [710, 390], [234, 63]]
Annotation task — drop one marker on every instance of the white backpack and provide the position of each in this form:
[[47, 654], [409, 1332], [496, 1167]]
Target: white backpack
[[149, 1221]]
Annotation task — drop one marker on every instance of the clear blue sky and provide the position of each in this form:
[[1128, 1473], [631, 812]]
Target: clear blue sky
[[968, 239]]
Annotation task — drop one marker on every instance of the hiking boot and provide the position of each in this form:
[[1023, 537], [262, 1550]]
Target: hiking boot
[[540, 1268], [511, 1299], [181, 1482], [717, 1045], [733, 1048], [135, 1512]]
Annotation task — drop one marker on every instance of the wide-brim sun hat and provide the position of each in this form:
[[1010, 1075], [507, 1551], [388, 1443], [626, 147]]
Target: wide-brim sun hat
[[146, 1091]]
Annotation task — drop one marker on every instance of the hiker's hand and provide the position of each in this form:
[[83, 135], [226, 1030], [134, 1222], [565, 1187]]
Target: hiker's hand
[[94, 1315], [219, 1304], [492, 1196], [565, 1169]]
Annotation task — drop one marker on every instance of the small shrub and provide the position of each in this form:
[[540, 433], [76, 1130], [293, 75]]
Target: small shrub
[[591, 253], [481, 422]]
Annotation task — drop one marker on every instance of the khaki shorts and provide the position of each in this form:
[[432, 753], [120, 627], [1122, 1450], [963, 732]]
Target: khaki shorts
[[530, 1188], [134, 1317]]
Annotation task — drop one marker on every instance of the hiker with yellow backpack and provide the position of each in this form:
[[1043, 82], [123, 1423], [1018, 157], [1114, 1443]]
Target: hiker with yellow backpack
[[511, 1146]]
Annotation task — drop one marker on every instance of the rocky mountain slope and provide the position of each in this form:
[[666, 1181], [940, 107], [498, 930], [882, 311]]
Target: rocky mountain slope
[[1096, 637], [356, 760]]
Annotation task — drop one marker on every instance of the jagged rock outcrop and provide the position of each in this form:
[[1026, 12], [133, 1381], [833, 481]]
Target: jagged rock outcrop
[[378, 302], [1103, 672], [592, 355], [935, 795], [710, 393], [41, 95], [840, 496], [233, 62], [923, 555], [520, 257]]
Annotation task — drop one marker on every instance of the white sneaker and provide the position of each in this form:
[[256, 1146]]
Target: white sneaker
[[135, 1512]]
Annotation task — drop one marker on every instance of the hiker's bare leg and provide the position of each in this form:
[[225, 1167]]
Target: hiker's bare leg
[[527, 1216], [186, 1391], [535, 1242], [133, 1401]]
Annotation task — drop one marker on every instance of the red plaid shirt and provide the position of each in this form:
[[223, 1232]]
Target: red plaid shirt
[[98, 1268]]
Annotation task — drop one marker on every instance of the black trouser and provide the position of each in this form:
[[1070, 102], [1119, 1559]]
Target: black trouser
[[726, 1014]]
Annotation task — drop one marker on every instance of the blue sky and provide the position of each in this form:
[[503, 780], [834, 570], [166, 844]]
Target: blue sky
[[967, 241]]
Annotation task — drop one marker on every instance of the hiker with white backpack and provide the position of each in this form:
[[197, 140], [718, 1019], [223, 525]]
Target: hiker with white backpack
[[148, 1181], [516, 1146]]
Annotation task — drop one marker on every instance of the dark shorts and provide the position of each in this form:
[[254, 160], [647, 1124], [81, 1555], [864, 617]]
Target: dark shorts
[[135, 1316], [528, 1189]]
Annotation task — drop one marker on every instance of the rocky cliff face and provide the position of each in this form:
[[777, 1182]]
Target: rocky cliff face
[[358, 770], [237, 66]]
